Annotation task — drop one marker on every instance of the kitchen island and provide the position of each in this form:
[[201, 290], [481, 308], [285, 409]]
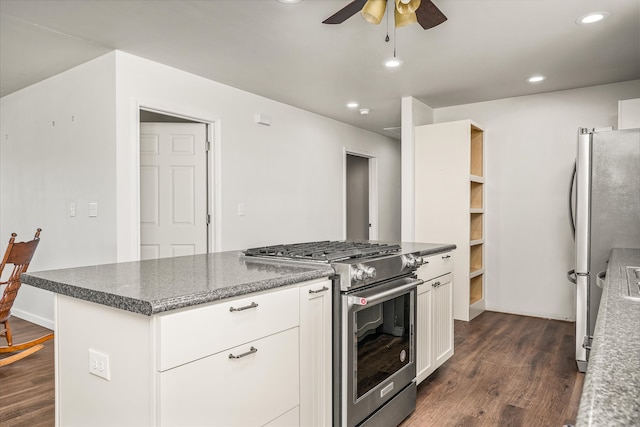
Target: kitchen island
[[215, 339], [610, 395], [195, 340]]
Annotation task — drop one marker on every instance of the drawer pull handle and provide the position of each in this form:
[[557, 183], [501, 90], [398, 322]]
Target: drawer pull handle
[[446, 257], [436, 284], [251, 351], [246, 307], [324, 288]]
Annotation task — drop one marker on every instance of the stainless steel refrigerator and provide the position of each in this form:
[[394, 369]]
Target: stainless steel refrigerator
[[605, 213]]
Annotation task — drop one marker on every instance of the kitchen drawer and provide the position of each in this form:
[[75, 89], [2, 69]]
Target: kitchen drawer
[[436, 266], [252, 390], [202, 331]]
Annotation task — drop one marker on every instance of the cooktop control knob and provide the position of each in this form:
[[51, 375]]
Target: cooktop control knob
[[419, 261], [409, 261], [359, 274], [363, 272], [370, 272]]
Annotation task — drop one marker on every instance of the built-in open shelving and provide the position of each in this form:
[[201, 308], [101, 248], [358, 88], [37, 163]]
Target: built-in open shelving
[[476, 222], [450, 204]]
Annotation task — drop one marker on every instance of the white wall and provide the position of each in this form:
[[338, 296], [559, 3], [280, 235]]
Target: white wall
[[629, 113], [530, 149], [288, 175], [57, 148], [414, 113]]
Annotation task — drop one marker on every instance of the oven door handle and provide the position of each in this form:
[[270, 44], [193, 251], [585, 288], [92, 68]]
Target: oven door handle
[[384, 295]]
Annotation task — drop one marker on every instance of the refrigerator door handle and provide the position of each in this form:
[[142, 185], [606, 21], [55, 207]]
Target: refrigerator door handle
[[583, 202], [572, 220], [571, 275]]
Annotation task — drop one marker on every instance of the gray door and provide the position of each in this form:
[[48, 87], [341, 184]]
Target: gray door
[[357, 197]]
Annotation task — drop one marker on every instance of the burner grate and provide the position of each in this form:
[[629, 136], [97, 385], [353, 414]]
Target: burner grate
[[324, 251]]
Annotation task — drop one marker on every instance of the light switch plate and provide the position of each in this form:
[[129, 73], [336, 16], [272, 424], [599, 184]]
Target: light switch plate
[[93, 209]]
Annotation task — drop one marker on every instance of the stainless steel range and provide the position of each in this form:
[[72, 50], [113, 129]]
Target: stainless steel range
[[374, 296]]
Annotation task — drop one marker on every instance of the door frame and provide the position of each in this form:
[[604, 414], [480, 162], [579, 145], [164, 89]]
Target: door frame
[[214, 169], [373, 190]]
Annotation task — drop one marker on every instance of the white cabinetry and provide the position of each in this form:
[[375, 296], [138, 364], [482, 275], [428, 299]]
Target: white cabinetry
[[449, 204], [258, 360], [228, 356], [315, 354], [434, 342], [248, 385]]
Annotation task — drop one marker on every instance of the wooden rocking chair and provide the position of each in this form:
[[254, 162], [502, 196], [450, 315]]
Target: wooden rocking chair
[[19, 254]]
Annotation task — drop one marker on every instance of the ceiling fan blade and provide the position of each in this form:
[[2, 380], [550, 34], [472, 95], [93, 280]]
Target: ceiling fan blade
[[429, 15], [345, 13]]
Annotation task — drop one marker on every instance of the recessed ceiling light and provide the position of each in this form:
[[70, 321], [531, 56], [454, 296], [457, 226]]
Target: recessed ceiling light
[[393, 62], [536, 79], [592, 18], [364, 111], [352, 105], [289, 1]]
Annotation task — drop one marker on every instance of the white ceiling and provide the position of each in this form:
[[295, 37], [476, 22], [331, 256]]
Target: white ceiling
[[485, 50]]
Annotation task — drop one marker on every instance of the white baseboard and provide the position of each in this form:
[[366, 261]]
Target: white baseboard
[[552, 316], [33, 318]]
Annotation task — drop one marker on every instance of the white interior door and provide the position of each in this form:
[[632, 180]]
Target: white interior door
[[173, 189]]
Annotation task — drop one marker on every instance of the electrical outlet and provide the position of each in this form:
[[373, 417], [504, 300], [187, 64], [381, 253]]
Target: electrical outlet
[[99, 364]]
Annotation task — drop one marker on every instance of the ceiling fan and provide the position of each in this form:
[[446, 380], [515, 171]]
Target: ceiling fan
[[424, 12]]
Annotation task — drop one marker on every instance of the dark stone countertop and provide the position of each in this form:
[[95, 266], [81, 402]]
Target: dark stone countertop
[[611, 391], [155, 286]]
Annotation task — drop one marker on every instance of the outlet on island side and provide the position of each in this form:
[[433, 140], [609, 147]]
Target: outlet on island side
[[99, 364]]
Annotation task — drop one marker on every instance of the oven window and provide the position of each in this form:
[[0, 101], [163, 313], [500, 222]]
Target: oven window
[[383, 341]]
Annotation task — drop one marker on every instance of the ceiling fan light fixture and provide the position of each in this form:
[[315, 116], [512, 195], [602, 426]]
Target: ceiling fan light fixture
[[393, 62], [407, 6], [404, 19], [373, 11]]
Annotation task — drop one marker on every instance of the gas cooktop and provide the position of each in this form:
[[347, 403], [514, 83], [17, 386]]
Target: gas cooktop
[[324, 251]]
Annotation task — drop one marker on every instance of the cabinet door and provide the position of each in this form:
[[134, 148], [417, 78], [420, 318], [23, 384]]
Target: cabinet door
[[442, 303], [248, 385], [315, 354], [424, 365]]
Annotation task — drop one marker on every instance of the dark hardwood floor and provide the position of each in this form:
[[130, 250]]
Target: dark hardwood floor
[[507, 370]]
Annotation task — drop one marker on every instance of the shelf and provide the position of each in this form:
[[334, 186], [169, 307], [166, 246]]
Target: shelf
[[477, 151], [475, 273], [476, 195], [476, 229], [476, 242], [476, 178], [475, 288], [476, 261]]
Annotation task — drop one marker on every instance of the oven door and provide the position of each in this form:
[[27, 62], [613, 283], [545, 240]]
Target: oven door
[[378, 343]]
